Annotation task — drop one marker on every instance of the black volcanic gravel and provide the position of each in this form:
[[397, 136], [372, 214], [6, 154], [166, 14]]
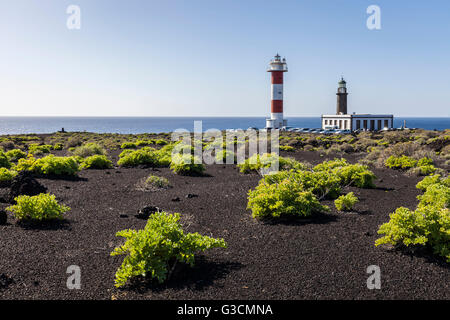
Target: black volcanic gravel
[[324, 257]]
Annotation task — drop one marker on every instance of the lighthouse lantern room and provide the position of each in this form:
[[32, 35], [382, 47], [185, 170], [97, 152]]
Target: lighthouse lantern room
[[277, 67]]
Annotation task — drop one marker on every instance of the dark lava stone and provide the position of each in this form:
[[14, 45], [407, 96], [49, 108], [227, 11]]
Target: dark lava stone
[[25, 184], [5, 281], [176, 199], [3, 217], [146, 211], [191, 195]]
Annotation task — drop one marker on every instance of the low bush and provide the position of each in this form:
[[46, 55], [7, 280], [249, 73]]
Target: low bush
[[154, 183], [257, 162], [145, 156], [154, 251], [144, 143], [287, 148], [96, 162], [58, 146], [357, 175], [128, 145], [161, 142], [89, 149], [73, 142], [4, 162], [49, 165], [224, 156], [185, 165], [34, 148], [403, 162], [346, 203], [6, 175], [283, 199], [428, 225], [15, 154], [430, 180], [426, 170], [41, 207]]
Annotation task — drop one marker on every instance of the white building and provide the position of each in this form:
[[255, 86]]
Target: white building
[[342, 120]]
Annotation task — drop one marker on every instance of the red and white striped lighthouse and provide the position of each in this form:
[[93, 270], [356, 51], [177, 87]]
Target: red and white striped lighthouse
[[276, 68]]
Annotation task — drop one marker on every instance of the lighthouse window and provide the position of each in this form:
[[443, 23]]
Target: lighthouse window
[[379, 125], [358, 124], [326, 122], [365, 124], [386, 123]]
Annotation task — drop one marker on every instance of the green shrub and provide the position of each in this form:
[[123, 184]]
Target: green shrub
[[223, 155], [428, 181], [282, 199], [49, 165], [164, 154], [184, 165], [34, 148], [403, 162], [349, 174], [144, 143], [145, 156], [257, 162], [427, 170], [424, 162], [89, 149], [346, 203], [437, 195], [73, 142], [287, 148], [128, 145], [15, 154], [154, 251], [6, 175], [41, 207], [161, 142], [96, 162], [155, 182], [58, 146], [428, 225], [4, 162]]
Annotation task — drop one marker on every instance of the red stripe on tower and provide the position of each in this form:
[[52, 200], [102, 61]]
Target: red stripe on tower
[[277, 106], [277, 77]]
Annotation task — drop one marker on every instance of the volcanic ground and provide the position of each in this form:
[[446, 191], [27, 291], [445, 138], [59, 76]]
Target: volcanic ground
[[324, 257]]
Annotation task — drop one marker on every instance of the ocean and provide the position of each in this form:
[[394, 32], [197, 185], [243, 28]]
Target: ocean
[[24, 125]]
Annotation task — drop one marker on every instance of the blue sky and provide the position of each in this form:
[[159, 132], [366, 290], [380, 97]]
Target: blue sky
[[209, 57]]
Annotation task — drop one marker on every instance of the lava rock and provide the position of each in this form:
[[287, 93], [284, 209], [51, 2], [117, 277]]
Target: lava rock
[[5, 281], [123, 215], [191, 195], [3, 217], [25, 184], [176, 199], [146, 211]]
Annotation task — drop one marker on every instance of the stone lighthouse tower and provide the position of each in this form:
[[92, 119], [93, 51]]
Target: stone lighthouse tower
[[341, 106], [276, 67]]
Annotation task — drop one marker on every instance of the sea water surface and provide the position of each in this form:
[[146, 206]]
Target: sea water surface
[[24, 125]]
